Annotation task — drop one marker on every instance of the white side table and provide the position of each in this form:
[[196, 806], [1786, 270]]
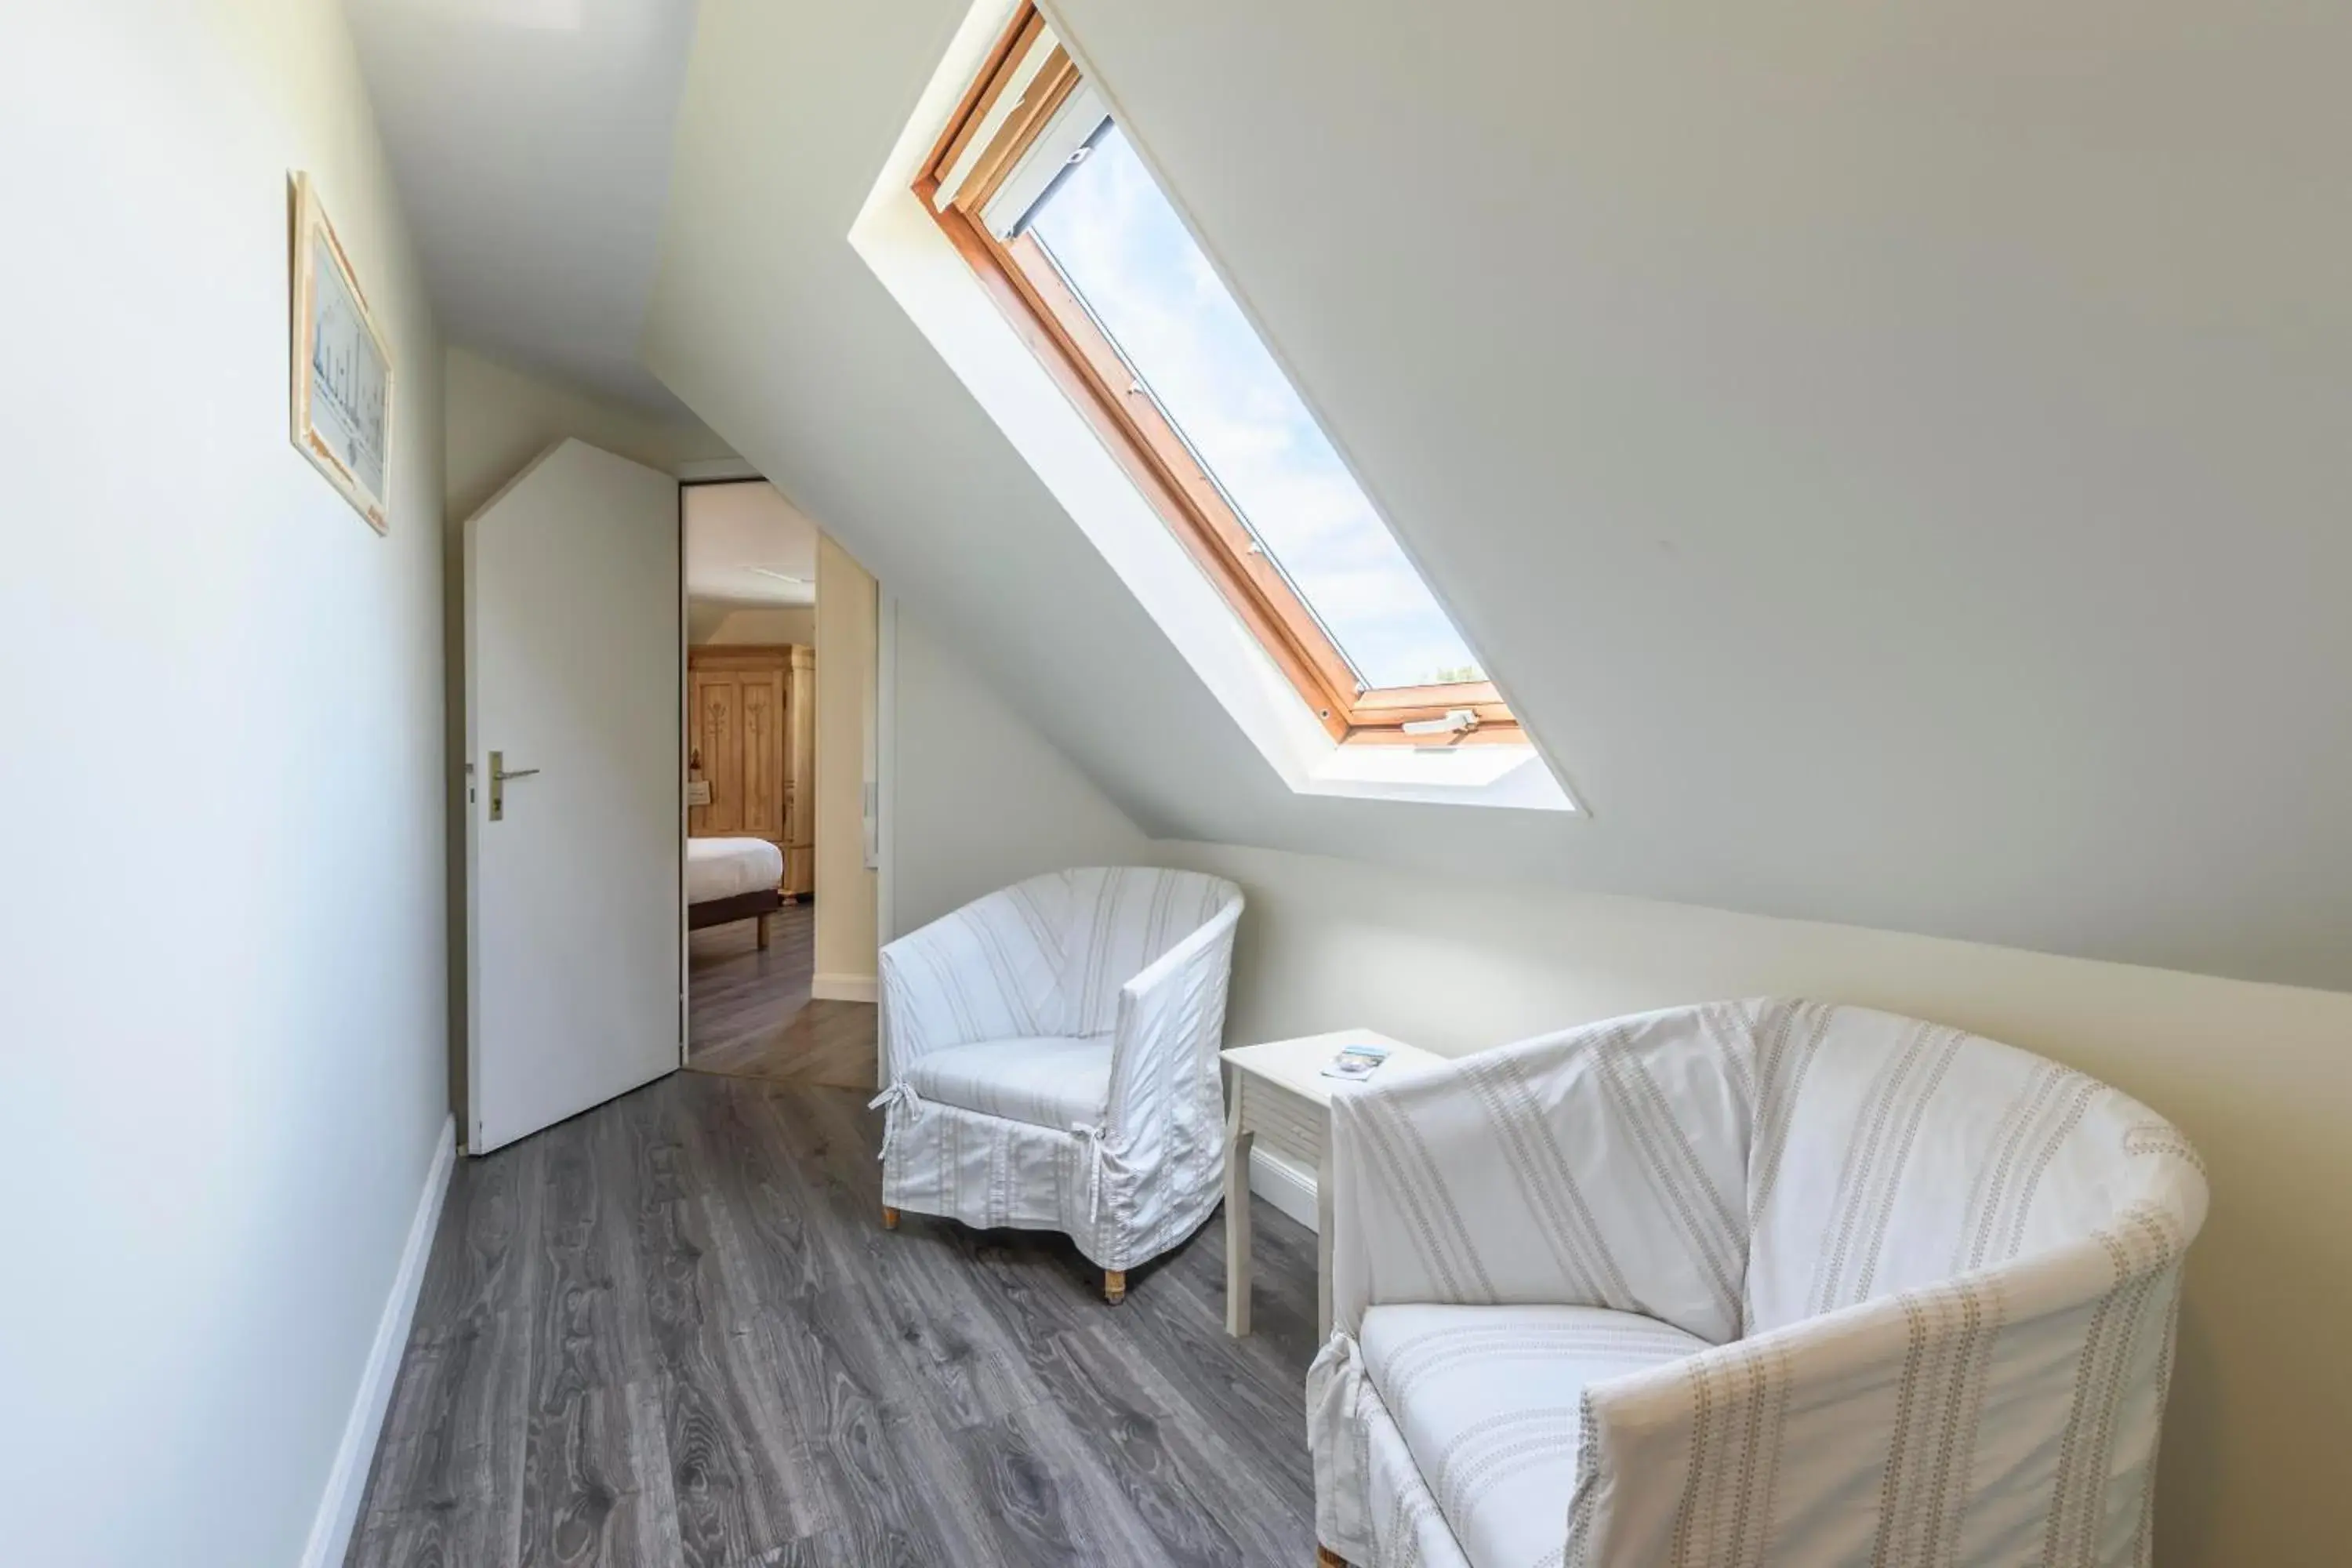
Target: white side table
[[1278, 1093]]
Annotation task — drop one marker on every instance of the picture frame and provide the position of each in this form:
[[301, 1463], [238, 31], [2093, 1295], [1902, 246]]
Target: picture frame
[[342, 403]]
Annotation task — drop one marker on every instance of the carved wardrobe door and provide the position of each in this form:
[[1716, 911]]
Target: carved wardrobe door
[[738, 723]]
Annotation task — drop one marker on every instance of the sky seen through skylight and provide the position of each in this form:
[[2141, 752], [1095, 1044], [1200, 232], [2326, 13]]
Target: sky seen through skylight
[[1127, 255]]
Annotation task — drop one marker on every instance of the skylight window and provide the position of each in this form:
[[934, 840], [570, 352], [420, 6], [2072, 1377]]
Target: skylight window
[[1127, 256], [1045, 196]]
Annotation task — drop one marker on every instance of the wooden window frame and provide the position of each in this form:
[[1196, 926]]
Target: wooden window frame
[[1056, 324]]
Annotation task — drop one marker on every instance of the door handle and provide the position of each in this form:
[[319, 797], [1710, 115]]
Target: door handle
[[499, 776]]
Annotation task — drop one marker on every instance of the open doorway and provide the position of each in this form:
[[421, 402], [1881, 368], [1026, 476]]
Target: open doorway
[[776, 730]]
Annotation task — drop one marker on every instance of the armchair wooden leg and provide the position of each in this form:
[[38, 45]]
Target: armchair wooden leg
[[1114, 1286], [1327, 1558], [889, 1218]]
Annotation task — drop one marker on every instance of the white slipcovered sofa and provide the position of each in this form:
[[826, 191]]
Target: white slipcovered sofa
[[1050, 1060], [1746, 1284]]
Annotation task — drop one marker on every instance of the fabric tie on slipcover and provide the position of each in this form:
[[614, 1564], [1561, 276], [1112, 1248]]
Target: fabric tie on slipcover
[[1334, 1391], [1101, 1160], [890, 1101]]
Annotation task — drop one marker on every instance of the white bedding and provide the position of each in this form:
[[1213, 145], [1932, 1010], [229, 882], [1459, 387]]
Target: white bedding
[[724, 868]]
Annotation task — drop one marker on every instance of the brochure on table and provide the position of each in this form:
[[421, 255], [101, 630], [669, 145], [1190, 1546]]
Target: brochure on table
[[1356, 1062]]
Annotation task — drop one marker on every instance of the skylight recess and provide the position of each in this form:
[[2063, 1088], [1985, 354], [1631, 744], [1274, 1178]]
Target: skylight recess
[[1045, 195]]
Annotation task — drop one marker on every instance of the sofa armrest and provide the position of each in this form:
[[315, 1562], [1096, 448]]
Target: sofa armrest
[[1882, 1427], [1171, 1022]]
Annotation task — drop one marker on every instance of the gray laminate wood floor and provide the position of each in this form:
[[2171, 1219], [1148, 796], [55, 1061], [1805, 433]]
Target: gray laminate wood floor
[[672, 1331], [750, 1015]]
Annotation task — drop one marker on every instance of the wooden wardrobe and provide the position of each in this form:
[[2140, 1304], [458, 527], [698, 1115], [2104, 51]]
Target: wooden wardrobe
[[751, 738]]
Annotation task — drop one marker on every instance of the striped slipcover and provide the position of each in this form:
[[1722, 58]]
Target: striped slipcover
[[1758, 1283], [1050, 1058]]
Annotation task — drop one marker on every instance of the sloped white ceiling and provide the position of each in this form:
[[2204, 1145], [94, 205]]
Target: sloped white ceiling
[[1896, 457], [530, 139]]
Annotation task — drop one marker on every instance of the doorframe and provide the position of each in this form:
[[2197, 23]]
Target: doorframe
[[706, 474], [685, 716], [886, 774]]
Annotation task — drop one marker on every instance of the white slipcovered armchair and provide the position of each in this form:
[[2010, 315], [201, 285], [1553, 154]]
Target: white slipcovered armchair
[[1770, 1283], [1050, 1060]]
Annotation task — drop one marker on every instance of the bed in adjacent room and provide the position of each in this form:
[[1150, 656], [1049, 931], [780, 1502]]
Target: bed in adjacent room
[[732, 880]]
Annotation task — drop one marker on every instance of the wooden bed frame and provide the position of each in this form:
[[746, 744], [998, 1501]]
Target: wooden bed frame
[[755, 905]]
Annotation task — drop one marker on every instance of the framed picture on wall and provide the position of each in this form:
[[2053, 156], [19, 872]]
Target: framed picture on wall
[[342, 370]]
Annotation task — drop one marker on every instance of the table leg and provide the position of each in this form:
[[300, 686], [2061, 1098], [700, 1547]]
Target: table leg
[[1238, 1144], [1323, 1228]]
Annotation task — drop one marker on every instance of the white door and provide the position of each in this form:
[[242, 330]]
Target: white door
[[574, 932]]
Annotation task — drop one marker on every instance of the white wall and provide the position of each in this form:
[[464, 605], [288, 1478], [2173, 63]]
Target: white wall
[[221, 920], [976, 798], [2259, 1076], [501, 416]]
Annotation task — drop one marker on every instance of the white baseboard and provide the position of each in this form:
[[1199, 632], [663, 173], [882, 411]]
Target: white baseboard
[[1287, 1185], [338, 1509], [841, 987]]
